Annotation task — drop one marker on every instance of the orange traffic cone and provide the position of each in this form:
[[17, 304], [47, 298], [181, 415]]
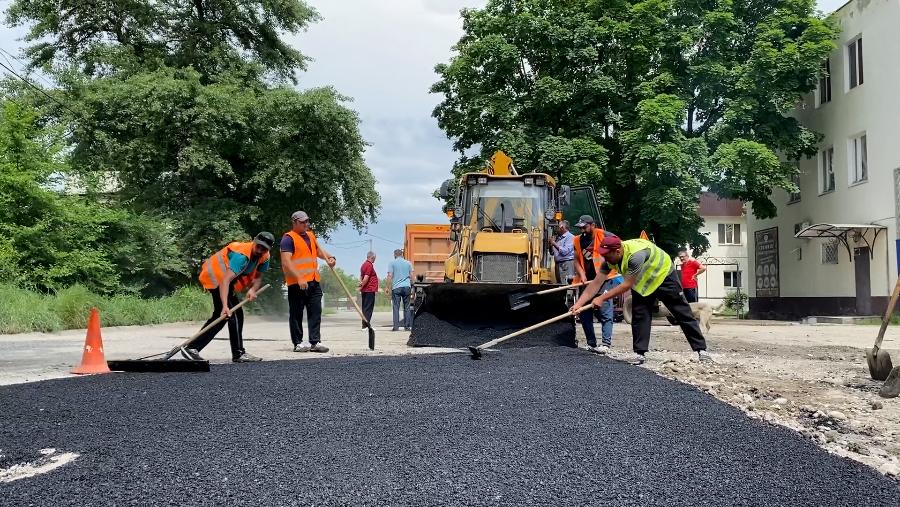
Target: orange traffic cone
[[644, 235], [93, 361]]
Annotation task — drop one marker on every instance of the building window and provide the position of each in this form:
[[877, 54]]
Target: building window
[[825, 83], [855, 62], [826, 163], [795, 179], [729, 234], [830, 251], [857, 159], [732, 279]]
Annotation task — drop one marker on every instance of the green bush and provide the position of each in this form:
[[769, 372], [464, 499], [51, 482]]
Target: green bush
[[23, 311]]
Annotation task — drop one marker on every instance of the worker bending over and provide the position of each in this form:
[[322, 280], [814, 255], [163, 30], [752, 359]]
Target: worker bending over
[[230, 270], [650, 275]]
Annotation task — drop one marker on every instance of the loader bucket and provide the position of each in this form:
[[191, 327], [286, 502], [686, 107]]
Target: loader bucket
[[457, 315]]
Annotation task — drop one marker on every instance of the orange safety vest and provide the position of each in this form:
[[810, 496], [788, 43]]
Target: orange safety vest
[[214, 269], [596, 258], [304, 259]]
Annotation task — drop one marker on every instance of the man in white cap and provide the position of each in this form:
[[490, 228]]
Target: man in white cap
[[299, 260]]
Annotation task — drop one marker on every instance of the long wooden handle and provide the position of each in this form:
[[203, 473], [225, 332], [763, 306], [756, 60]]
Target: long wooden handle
[[350, 297], [539, 325], [213, 324], [558, 289], [887, 317]]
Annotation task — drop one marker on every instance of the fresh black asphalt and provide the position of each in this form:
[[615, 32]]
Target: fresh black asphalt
[[543, 426]]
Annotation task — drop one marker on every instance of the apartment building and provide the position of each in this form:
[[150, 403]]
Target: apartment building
[[832, 248]]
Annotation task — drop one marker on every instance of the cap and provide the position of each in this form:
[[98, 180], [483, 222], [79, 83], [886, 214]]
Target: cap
[[584, 220], [300, 216], [610, 242], [265, 239]]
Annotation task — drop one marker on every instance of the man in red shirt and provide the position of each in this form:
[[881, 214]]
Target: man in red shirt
[[690, 270], [368, 286]]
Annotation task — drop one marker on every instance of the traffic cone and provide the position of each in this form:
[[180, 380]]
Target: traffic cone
[[93, 360], [644, 235]]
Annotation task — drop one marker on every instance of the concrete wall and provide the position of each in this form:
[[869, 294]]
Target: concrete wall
[[872, 108], [711, 287]]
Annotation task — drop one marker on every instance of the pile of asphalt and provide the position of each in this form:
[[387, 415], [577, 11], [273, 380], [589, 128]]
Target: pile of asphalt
[[430, 331], [542, 426]]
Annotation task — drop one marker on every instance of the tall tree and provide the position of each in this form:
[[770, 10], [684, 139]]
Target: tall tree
[[185, 106], [648, 100]]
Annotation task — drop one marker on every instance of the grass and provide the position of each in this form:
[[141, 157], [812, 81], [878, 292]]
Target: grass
[[25, 311], [876, 321]]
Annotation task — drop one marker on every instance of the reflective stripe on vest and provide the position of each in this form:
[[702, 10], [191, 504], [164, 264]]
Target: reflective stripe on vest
[[654, 270], [304, 260], [214, 269]]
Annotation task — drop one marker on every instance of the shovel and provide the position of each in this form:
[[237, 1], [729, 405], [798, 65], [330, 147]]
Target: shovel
[[164, 363], [358, 310], [879, 360], [476, 351], [520, 299]]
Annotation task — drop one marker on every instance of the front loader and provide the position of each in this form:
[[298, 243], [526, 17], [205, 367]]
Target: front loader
[[500, 224]]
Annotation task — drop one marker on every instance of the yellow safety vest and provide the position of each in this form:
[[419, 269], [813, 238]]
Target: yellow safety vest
[[654, 270]]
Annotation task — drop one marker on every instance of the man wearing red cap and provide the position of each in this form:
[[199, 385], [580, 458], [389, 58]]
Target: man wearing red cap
[[649, 274]]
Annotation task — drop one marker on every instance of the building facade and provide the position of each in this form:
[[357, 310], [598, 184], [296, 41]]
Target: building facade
[[725, 225], [832, 250]]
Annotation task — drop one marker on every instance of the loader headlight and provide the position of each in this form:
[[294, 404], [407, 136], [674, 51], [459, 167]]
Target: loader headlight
[[482, 180], [528, 181], [549, 214], [539, 182], [472, 180]]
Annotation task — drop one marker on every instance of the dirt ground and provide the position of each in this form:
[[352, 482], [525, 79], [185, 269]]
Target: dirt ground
[[810, 378]]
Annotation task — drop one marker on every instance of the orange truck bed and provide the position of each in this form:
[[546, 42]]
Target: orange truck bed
[[427, 246]]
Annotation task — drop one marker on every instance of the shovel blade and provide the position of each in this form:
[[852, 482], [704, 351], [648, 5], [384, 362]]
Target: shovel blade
[[891, 388], [371, 338], [519, 299], [880, 364]]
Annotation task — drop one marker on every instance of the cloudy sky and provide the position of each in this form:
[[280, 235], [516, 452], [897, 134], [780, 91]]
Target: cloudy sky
[[382, 54]]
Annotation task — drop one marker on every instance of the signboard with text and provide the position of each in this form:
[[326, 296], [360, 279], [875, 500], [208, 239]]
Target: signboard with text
[[767, 269]]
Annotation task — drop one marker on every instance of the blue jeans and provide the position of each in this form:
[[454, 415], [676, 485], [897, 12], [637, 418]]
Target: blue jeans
[[605, 315], [398, 296]]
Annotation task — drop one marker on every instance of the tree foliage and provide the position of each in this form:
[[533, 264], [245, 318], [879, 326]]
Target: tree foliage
[[50, 240], [648, 100], [183, 106]]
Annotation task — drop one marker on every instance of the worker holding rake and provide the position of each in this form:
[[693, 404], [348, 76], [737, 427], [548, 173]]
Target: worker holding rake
[[650, 275], [233, 269]]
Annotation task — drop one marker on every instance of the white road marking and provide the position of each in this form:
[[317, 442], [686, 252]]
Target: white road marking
[[48, 461]]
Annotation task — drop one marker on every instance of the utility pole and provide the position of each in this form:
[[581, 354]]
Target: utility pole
[[371, 247]]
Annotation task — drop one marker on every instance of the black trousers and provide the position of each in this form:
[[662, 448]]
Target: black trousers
[[368, 306], [311, 301], [690, 295], [235, 324], [670, 294]]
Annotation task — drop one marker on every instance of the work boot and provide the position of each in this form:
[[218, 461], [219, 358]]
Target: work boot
[[302, 347], [192, 354], [246, 358], [638, 359], [704, 357], [318, 347]]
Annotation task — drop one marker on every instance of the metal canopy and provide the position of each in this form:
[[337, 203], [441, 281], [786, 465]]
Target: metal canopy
[[841, 232]]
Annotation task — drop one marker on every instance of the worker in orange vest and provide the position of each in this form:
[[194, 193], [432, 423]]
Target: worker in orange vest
[[300, 252], [233, 269], [587, 264]]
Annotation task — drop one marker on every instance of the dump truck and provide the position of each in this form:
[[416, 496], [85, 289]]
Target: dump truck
[[501, 222], [427, 247]]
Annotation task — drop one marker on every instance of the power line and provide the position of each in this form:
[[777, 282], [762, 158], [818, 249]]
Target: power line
[[24, 65], [38, 88], [384, 239]]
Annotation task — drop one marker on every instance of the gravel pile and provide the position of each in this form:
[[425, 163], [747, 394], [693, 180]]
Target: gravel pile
[[540, 426]]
